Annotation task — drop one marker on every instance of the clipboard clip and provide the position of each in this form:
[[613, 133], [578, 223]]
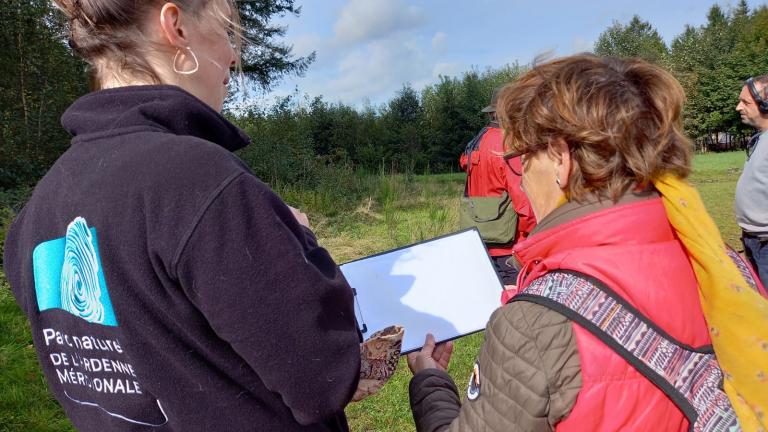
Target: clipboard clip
[[363, 328]]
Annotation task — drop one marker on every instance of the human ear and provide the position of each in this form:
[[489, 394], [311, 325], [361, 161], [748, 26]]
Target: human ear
[[560, 154], [171, 26]]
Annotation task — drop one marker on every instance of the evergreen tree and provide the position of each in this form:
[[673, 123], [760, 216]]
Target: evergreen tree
[[265, 60], [402, 119]]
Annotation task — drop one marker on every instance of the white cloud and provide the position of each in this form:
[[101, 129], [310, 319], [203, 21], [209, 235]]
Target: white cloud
[[438, 40], [376, 47], [380, 67], [362, 20]]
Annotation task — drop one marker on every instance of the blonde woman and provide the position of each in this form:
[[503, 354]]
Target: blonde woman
[[166, 286]]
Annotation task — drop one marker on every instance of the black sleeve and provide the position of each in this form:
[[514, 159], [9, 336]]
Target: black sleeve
[[273, 294], [434, 399]]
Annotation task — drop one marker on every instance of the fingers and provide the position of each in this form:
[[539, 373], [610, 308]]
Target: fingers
[[429, 345], [442, 354], [443, 349], [420, 360], [412, 360], [447, 354], [417, 362]]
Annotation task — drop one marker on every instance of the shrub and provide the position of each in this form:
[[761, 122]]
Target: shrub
[[11, 202]]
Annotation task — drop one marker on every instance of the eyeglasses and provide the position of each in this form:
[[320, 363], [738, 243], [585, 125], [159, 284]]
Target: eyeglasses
[[508, 156]]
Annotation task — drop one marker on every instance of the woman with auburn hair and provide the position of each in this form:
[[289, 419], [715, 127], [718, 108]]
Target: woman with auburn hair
[[167, 287], [625, 284]]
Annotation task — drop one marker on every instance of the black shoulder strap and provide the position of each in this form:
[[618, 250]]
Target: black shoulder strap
[[472, 146], [474, 143]]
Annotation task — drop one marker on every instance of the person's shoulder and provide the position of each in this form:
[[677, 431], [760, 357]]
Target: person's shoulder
[[187, 159], [760, 136], [186, 148], [494, 131], [492, 139], [531, 320], [531, 332], [165, 167]]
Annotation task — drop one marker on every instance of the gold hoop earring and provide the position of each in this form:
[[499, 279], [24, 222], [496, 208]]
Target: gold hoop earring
[[194, 57]]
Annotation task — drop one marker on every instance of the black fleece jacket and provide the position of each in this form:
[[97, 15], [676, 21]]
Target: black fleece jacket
[[168, 288]]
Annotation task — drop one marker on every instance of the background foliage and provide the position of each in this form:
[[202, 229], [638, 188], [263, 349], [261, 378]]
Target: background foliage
[[298, 139], [39, 78], [711, 62]]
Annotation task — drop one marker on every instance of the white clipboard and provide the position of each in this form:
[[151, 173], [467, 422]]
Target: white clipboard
[[446, 286]]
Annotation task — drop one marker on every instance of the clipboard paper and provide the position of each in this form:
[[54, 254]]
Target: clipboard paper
[[446, 286]]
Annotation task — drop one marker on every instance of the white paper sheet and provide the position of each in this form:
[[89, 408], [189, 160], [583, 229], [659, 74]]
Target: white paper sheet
[[446, 286]]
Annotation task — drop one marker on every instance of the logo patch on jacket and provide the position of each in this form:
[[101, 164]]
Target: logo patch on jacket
[[473, 388], [68, 275], [85, 356]]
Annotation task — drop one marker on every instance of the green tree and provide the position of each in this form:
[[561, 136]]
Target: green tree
[[749, 56], [38, 80], [452, 112], [636, 39], [402, 119], [369, 154], [281, 143], [712, 63], [446, 130], [265, 59]]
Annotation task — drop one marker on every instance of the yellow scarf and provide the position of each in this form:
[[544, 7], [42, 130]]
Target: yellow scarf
[[737, 315]]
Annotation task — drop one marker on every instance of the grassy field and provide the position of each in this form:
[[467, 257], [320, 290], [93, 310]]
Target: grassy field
[[398, 210]]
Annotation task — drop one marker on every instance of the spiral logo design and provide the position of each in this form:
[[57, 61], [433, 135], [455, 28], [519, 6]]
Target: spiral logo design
[[80, 288]]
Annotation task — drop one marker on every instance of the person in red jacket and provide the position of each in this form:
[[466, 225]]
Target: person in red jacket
[[603, 155], [490, 175]]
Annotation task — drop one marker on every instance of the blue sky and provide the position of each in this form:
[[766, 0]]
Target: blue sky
[[367, 49]]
